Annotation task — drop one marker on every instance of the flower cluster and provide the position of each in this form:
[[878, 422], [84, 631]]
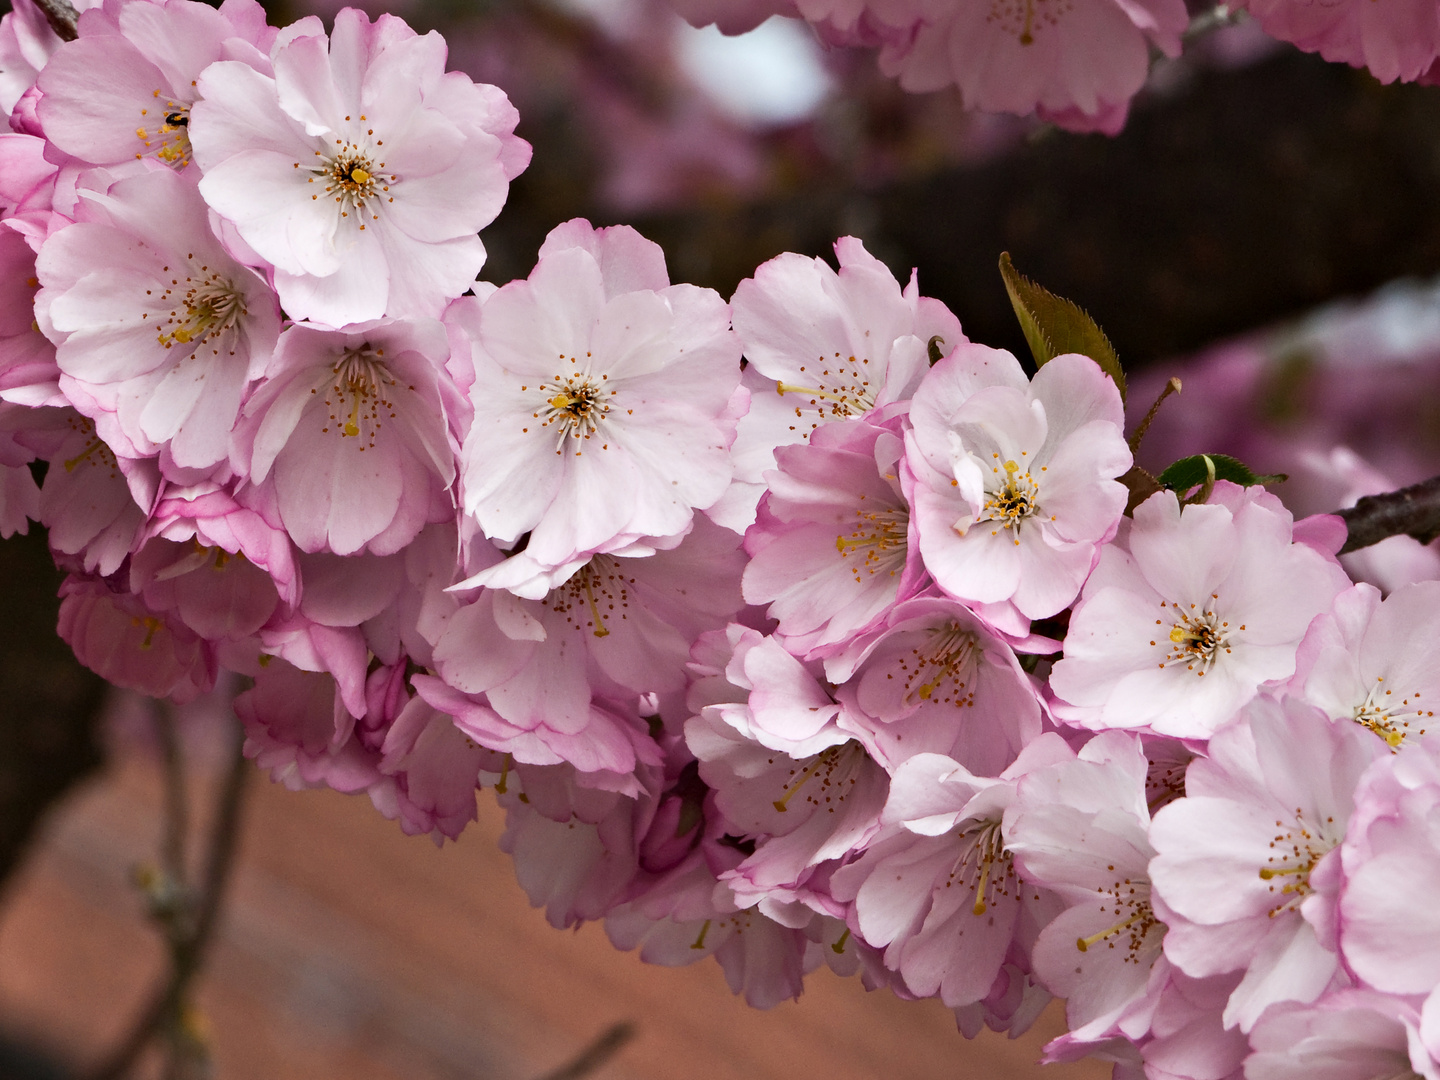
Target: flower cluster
[[1078, 63], [867, 651]]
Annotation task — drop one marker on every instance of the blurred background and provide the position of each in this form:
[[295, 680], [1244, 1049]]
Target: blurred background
[[1267, 227]]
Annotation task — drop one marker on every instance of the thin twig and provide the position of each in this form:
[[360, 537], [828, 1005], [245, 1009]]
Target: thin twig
[[62, 17], [177, 805], [1171, 387], [189, 937], [1412, 511], [594, 1055]]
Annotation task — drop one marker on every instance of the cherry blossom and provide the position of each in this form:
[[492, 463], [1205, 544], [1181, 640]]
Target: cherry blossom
[[1076, 63], [1395, 39], [933, 677], [346, 442], [602, 405], [1186, 616], [362, 170], [1347, 1035], [158, 331], [124, 89], [1374, 661], [93, 503], [830, 551], [1080, 828], [298, 729], [941, 896], [833, 345], [1241, 863], [28, 373], [116, 636], [1013, 482], [1392, 865]]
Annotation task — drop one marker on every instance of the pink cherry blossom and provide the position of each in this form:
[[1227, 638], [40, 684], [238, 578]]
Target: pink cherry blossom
[[1347, 1035], [603, 741], [933, 677], [26, 43], [941, 896], [830, 345], [208, 515], [346, 442], [123, 91], [1079, 64], [685, 917], [574, 868], [1375, 661], [28, 373], [362, 170], [1186, 616], [1395, 39], [158, 331], [1080, 828], [94, 503], [1240, 859], [219, 595], [1389, 928], [617, 628], [602, 403], [432, 769], [116, 636], [751, 684], [1013, 482], [782, 772], [298, 728], [830, 552]]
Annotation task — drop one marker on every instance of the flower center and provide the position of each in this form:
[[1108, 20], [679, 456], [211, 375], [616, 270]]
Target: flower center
[[212, 306], [1388, 718], [94, 452], [984, 866], [353, 177], [826, 779], [1025, 18], [574, 405], [357, 401], [1128, 901], [1016, 499], [1296, 851], [842, 384], [1197, 638], [945, 663], [594, 593], [169, 137], [879, 539]]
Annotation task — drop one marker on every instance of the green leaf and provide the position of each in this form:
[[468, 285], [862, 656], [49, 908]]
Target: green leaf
[[1191, 472], [1055, 326]]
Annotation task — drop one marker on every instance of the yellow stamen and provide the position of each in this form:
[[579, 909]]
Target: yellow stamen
[[810, 771], [1084, 943]]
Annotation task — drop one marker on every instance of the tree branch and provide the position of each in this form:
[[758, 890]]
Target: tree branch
[[1412, 511], [189, 931], [594, 1055], [62, 17]]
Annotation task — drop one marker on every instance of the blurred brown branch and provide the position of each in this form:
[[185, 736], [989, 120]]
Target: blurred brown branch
[[187, 912], [1412, 511], [594, 1055], [61, 16]]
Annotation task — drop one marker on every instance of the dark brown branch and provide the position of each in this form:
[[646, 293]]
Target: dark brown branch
[[190, 930], [594, 1055], [61, 16], [1412, 511]]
